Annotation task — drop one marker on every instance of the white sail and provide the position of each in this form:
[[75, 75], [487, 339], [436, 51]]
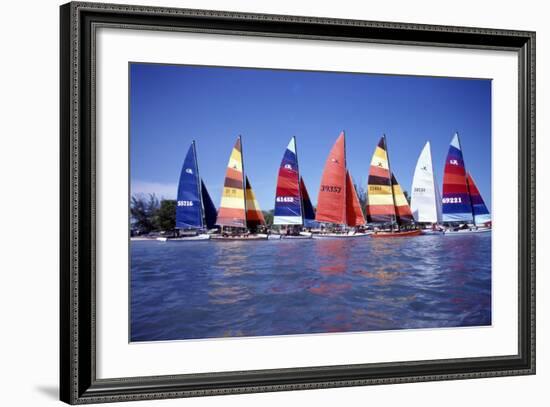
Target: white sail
[[425, 200]]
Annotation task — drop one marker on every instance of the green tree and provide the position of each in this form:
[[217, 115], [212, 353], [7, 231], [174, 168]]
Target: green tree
[[142, 209], [362, 195], [268, 216], [165, 216], [407, 197]]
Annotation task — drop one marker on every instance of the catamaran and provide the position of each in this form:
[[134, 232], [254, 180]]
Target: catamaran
[[239, 215], [195, 211], [387, 206], [425, 197], [338, 204], [464, 210], [293, 209]]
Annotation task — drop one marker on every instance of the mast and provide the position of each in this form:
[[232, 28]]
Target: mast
[[198, 182], [345, 181], [467, 183], [244, 181], [434, 184], [299, 187], [391, 182], [471, 203]]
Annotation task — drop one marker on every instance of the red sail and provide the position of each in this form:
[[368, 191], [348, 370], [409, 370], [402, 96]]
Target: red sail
[[331, 202], [354, 212]]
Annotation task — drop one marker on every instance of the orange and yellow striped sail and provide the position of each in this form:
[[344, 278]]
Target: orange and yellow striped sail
[[402, 209], [380, 202], [232, 206], [254, 216]]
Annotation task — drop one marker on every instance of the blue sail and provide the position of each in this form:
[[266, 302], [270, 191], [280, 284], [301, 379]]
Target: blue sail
[[288, 208], [210, 211], [481, 213], [456, 203], [188, 204], [309, 212]]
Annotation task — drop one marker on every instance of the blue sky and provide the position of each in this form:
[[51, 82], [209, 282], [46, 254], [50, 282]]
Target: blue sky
[[171, 105]]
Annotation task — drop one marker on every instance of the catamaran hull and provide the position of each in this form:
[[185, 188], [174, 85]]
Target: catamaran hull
[[248, 238], [296, 237], [430, 232], [339, 235], [184, 238], [466, 231], [408, 233]]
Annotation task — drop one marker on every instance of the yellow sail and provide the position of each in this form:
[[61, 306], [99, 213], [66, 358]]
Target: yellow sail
[[402, 208], [254, 216], [380, 204], [232, 207]]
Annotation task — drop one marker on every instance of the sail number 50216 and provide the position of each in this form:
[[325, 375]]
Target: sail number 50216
[[185, 203], [331, 188], [451, 200]]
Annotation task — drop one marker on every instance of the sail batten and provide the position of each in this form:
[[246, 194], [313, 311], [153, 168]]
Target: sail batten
[[425, 199], [189, 201], [456, 203], [288, 205], [232, 211]]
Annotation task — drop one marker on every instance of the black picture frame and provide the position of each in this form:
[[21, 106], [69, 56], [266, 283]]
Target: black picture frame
[[78, 382]]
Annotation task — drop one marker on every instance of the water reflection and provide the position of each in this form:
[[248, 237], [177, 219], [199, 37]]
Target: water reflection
[[332, 255], [200, 290]]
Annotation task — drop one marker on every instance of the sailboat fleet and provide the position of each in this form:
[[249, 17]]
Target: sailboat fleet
[[339, 213]]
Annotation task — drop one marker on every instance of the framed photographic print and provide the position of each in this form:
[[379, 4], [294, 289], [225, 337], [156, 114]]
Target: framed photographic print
[[256, 203]]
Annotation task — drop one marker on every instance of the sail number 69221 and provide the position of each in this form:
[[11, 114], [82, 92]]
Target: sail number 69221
[[452, 200]]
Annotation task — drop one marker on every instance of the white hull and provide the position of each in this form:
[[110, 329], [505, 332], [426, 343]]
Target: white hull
[[466, 231], [202, 236], [432, 232], [300, 236], [339, 235], [259, 236]]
